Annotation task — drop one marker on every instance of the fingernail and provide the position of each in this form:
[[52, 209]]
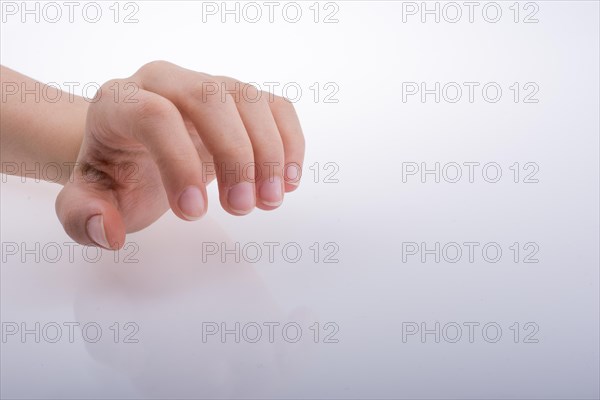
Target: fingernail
[[191, 203], [292, 174], [95, 230], [241, 197], [271, 193]]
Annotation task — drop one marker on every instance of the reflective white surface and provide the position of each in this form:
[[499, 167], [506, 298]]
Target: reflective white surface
[[173, 288]]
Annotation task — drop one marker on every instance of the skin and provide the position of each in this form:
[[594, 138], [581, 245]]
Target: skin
[[151, 142]]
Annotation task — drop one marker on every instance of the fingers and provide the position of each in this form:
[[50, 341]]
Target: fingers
[[257, 146], [223, 132], [266, 142], [254, 140], [219, 125], [156, 123], [90, 217], [293, 140], [89, 211]]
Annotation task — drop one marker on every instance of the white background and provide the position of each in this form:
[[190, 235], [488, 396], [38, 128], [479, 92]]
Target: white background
[[364, 208]]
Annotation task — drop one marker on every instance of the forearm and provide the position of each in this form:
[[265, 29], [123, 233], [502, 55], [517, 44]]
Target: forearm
[[41, 128]]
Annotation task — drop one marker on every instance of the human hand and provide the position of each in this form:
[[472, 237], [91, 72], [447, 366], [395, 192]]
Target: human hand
[[158, 148]]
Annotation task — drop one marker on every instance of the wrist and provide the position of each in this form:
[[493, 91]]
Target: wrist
[[40, 134]]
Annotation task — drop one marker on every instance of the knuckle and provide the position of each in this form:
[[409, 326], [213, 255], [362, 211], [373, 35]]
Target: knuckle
[[283, 104], [153, 67], [118, 91], [270, 149], [241, 91], [252, 94], [236, 152], [106, 90], [153, 108], [294, 143], [204, 90], [298, 140], [225, 79], [111, 84]]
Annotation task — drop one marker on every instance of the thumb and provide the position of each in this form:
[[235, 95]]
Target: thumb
[[89, 216]]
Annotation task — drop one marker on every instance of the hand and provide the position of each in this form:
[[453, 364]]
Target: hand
[[153, 141]]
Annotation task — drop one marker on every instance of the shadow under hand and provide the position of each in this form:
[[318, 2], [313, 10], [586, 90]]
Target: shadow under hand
[[163, 312]]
